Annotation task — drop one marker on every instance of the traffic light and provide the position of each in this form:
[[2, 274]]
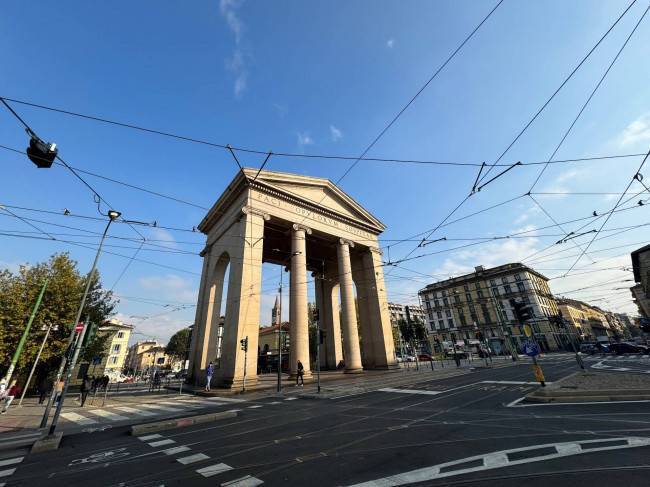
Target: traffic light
[[244, 344], [315, 314], [521, 311], [90, 334], [41, 153]]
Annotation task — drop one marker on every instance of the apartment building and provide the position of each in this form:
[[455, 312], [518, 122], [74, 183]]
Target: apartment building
[[590, 322], [460, 307], [398, 313]]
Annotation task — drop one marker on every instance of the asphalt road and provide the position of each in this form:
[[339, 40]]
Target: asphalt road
[[455, 431]]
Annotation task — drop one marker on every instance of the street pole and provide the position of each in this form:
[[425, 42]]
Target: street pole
[[112, 215], [280, 334], [38, 357], [23, 338], [245, 357]]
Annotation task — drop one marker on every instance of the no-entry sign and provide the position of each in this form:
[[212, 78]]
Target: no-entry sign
[[78, 327]]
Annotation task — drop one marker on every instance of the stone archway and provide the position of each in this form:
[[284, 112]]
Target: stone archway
[[317, 231]]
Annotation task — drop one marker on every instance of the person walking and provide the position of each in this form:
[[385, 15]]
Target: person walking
[[86, 386], [300, 375], [44, 387], [209, 372]]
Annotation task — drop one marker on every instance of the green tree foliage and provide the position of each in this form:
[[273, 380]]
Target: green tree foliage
[[18, 293], [179, 344]]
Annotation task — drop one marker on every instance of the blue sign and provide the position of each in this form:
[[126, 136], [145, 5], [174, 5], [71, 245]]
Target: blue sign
[[531, 348], [97, 360]]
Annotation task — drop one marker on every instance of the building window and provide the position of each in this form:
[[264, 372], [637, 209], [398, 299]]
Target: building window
[[439, 314], [448, 313], [493, 282], [468, 297], [441, 324], [444, 292], [480, 294], [433, 326], [495, 291], [457, 299], [520, 286], [504, 280], [466, 287], [436, 303], [113, 360], [430, 315], [507, 289], [463, 321], [486, 314], [120, 334], [445, 301], [116, 348], [477, 285], [517, 277]]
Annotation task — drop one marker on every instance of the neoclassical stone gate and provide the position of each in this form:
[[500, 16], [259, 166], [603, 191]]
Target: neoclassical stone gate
[[317, 232]]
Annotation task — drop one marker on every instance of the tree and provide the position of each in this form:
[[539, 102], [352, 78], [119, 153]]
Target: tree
[[178, 344], [18, 292]]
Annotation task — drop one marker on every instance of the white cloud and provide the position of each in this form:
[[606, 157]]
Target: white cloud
[[237, 63], [526, 215], [304, 139], [335, 133], [560, 186], [166, 237], [636, 132], [171, 286], [390, 43]]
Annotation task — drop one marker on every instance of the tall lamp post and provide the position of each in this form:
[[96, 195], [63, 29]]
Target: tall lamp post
[[112, 216]]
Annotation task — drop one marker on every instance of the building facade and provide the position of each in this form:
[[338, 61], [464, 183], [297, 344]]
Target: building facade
[[398, 313], [641, 269], [457, 309], [590, 322]]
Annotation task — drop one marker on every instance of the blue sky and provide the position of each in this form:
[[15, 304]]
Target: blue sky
[[325, 78]]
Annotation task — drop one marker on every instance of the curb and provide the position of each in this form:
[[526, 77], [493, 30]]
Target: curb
[[138, 429]]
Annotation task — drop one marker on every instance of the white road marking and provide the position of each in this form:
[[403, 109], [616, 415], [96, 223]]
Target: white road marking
[[107, 414], [11, 461], [161, 442], [192, 459], [214, 469], [224, 399], [500, 459], [276, 402], [516, 403], [178, 449], [139, 412], [247, 481], [255, 406], [411, 391], [7, 473], [512, 382], [162, 408], [149, 437], [291, 398], [78, 418]]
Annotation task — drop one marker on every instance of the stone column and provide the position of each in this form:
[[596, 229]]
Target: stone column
[[299, 324], [196, 358], [351, 351]]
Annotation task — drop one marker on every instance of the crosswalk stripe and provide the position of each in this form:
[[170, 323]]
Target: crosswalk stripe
[[139, 412], [291, 398], [149, 437], [247, 481], [192, 458], [162, 408], [178, 449], [225, 399], [162, 442], [11, 461], [255, 406], [214, 469], [102, 413], [7, 473], [77, 418]]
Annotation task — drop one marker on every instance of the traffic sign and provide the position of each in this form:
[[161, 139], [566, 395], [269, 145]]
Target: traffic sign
[[78, 327], [531, 348]]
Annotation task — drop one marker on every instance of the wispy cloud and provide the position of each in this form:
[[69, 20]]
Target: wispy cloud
[[335, 133], [236, 64], [636, 132], [164, 236], [390, 43], [304, 139], [170, 286]]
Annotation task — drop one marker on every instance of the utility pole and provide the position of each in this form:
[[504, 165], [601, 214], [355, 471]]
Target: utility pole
[[38, 357], [244, 347], [279, 320], [112, 216], [23, 338]]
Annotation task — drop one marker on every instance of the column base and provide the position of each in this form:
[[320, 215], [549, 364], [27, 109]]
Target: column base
[[237, 382], [354, 371], [306, 376]]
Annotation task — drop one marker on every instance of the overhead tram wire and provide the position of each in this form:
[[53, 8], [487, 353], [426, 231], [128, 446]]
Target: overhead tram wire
[[523, 130]]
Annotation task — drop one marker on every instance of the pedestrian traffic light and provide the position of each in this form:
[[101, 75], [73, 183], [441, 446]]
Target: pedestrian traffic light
[[41, 153], [244, 344]]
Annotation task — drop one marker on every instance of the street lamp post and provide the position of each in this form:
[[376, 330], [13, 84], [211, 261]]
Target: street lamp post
[[112, 216]]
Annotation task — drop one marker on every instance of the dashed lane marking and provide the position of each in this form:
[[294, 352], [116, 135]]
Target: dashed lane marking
[[7, 473], [247, 481], [149, 437], [78, 418], [192, 458], [506, 458], [107, 415], [255, 406], [11, 461], [291, 398], [276, 402], [175, 450], [162, 442], [410, 391], [214, 469], [127, 409]]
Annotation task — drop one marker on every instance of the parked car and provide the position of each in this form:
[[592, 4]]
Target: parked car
[[621, 348], [425, 357], [589, 348]]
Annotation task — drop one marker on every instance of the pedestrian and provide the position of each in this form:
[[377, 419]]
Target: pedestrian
[[44, 387], [14, 390], [86, 386], [300, 375], [209, 372]]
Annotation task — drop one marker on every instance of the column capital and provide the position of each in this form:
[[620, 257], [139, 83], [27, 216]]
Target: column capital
[[249, 210], [343, 241], [297, 227], [375, 250]]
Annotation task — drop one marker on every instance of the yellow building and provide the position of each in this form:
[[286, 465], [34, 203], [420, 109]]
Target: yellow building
[[145, 355], [589, 321]]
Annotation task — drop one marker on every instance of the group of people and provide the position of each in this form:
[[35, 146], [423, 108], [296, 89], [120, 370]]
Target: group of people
[[7, 394], [92, 384]]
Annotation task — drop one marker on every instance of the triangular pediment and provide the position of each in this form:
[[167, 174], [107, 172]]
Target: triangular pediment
[[316, 191]]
